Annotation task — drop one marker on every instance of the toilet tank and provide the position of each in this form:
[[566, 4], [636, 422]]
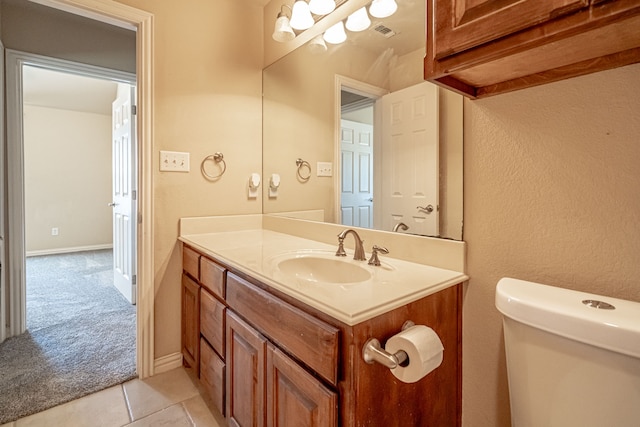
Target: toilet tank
[[573, 358]]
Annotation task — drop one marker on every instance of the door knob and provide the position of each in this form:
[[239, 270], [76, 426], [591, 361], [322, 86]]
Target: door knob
[[428, 209], [112, 204]]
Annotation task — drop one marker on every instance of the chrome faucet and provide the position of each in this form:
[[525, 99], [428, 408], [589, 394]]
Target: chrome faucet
[[358, 254], [400, 225]]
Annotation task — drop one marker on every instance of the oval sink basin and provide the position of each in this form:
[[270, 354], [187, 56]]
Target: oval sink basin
[[325, 270]]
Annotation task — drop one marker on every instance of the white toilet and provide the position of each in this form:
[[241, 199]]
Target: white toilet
[[573, 359]]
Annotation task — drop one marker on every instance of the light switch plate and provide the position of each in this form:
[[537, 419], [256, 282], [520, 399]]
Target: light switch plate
[[324, 169], [174, 161]]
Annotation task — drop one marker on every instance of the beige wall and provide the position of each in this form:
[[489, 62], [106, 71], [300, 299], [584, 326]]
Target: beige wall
[[552, 195], [67, 179], [207, 98]]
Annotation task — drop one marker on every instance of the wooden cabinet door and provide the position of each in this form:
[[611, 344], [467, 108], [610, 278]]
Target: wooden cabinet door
[[457, 25], [191, 323], [294, 397], [246, 352]]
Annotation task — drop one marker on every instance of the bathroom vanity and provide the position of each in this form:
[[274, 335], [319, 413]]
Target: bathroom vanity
[[271, 349]]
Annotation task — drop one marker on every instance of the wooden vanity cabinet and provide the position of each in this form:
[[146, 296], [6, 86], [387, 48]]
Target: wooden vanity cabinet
[[266, 382], [295, 397], [288, 364], [203, 322], [486, 47]]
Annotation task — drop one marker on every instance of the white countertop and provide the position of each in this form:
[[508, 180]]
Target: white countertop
[[392, 285]]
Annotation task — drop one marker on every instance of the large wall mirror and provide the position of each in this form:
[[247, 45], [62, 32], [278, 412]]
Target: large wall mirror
[[355, 136]]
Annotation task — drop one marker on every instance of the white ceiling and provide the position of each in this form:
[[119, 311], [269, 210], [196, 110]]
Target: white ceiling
[[47, 88]]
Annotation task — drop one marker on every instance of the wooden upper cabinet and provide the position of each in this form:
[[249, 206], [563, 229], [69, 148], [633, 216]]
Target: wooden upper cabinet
[[462, 24], [482, 48]]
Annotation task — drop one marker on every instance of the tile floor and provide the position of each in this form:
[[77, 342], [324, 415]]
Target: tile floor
[[168, 399]]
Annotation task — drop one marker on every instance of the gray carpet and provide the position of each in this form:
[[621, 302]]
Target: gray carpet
[[80, 338]]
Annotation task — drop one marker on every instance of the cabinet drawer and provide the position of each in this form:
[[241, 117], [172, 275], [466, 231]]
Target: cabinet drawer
[[191, 262], [310, 340], [212, 277], [212, 375], [212, 321]]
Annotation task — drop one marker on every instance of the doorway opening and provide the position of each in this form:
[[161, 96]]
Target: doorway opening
[[357, 126], [13, 286], [79, 151], [358, 144], [68, 134]]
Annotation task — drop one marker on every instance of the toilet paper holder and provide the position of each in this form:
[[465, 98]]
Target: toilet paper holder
[[372, 351]]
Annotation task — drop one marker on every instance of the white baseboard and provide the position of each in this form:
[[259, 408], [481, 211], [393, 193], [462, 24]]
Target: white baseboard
[[167, 363], [69, 250]]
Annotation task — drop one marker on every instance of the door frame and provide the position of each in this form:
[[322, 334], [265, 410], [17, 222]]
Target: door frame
[[142, 22], [370, 91]]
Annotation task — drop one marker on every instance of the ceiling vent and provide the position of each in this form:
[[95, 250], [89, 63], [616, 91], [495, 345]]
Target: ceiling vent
[[384, 30]]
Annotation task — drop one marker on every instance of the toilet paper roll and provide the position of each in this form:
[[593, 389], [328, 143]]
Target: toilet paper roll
[[424, 348]]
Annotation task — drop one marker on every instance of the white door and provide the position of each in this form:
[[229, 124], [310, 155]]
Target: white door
[[409, 161], [124, 192], [356, 174]]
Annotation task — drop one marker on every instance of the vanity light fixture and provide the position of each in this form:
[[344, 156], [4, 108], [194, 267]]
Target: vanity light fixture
[[283, 31], [358, 20], [335, 34], [383, 8], [301, 18], [322, 7]]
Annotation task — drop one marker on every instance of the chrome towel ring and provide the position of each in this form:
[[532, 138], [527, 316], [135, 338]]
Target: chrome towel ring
[[301, 165], [218, 158]]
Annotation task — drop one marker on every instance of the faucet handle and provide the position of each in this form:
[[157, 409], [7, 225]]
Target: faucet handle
[[341, 251], [374, 260]]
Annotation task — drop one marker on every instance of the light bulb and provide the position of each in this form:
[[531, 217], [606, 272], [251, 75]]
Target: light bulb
[[322, 7], [335, 34], [301, 18], [383, 8], [283, 31], [358, 20]]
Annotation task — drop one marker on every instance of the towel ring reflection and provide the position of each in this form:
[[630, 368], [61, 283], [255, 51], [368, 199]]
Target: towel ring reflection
[[218, 158], [301, 164]]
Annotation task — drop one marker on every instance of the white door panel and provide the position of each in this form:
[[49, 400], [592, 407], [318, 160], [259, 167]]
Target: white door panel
[[356, 174], [409, 162], [124, 189]]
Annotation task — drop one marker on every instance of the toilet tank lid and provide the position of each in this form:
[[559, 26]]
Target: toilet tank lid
[[562, 312]]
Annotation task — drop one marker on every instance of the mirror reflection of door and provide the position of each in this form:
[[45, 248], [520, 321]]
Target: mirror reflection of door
[[409, 164], [407, 177], [356, 163], [356, 159]]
